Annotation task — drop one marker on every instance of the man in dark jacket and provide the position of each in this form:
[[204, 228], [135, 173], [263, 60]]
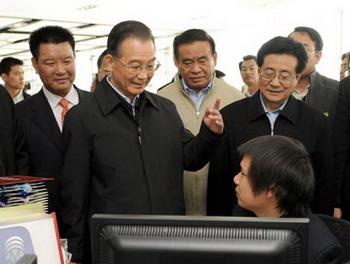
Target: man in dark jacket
[[272, 110], [276, 180], [342, 148], [12, 160], [316, 90], [124, 148], [40, 116], [12, 73]]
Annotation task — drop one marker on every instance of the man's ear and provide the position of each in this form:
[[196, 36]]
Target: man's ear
[[176, 62], [271, 192], [215, 56], [35, 64], [318, 56], [109, 60], [4, 77]]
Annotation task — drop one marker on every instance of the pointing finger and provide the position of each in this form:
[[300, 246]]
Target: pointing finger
[[217, 104]]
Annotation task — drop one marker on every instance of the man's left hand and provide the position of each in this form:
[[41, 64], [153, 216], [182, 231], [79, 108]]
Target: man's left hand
[[213, 119]]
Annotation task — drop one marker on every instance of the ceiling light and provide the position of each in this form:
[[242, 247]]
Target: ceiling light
[[87, 7]]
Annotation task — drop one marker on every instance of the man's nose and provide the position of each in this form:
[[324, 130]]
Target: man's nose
[[236, 179], [275, 81]]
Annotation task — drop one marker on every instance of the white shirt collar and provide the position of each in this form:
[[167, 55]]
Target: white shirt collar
[[120, 93], [72, 96], [19, 97]]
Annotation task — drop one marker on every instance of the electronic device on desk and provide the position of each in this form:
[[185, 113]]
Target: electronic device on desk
[[134, 239]]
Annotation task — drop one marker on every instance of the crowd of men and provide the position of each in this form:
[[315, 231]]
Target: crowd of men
[[121, 149]]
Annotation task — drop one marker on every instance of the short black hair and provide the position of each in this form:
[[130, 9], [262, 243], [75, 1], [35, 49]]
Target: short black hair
[[100, 58], [190, 36], [281, 163], [49, 34], [313, 34], [219, 74], [7, 63], [245, 58], [124, 30], [283, 45]]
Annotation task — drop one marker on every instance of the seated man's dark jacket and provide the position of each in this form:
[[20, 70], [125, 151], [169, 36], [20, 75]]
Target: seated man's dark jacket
[[245, 120], [323, 246], [115, 163], [12, 160]]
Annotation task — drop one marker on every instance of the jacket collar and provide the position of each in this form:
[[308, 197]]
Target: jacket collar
[[256, 110], [108, 99]]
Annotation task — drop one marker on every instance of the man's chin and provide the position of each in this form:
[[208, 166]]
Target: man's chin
[[137, 90]]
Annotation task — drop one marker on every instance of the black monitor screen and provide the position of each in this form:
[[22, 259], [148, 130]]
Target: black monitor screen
[[135, 239]]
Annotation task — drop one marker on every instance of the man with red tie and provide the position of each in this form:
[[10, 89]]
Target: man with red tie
[[41, 116]]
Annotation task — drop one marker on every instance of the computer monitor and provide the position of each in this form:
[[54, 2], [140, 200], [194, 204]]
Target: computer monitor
[[136, 239]]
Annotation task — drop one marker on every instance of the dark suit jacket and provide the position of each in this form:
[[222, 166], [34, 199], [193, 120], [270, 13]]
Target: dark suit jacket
[[42, 141], [12, 161], [25, 95], [323, 246], [245, 120], [342, 147], [323, 95]]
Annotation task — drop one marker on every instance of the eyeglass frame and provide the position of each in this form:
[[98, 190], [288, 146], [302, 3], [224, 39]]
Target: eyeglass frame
[[138, 69], [291, 77]]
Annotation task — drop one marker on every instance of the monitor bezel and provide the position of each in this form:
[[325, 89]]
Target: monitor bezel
[[298, 225]]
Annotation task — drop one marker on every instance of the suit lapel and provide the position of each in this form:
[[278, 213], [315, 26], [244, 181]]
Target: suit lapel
[[45, 120], [81, 93]]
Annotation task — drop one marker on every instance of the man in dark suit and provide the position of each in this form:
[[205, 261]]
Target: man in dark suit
[[342, 148], [273, 111], [124, 148], [41, 116], [316, 90], [12, 160], [276, 180], [12, 73]]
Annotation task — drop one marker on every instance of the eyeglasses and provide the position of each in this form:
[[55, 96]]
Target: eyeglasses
[[136, 68], [284, 77]]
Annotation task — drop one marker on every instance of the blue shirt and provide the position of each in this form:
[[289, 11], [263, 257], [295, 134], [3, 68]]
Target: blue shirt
[[272, 115], [197, 97]]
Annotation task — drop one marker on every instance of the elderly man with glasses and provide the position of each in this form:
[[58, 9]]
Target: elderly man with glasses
[[125, 149], [273, 111], [195, 88]]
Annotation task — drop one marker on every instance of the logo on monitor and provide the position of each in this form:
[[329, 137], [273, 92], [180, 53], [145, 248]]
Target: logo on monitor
[[15, 243]]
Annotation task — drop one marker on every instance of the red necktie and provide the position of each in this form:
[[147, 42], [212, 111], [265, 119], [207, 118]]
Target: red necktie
[[65, 107]]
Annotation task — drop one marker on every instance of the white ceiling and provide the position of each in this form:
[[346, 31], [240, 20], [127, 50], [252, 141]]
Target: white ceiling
[[165, 18], [239, 27]]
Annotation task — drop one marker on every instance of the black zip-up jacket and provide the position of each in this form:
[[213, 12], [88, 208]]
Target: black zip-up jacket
[[121, 160], [246, 119]]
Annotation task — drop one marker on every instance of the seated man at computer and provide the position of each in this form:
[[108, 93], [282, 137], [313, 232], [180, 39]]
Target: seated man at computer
[[276, 180]]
